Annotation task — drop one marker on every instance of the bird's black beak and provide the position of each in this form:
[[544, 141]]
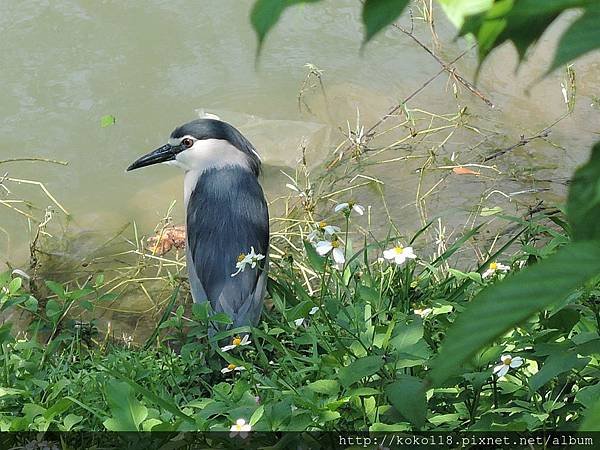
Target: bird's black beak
[[165, 153]]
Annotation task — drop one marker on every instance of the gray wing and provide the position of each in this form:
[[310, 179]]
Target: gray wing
[[226, 215]]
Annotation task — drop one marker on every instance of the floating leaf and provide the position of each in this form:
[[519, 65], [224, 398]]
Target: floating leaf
[[107, 121], [464, 171]]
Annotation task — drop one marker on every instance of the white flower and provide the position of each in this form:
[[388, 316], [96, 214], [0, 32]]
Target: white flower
[[347, 207], [249, 259], [507, 362], [423, 312], [301, 320], [232, 368], [399, 254], [493, 268], [240, 428], [325, 229], [335, 247], [237, 342]]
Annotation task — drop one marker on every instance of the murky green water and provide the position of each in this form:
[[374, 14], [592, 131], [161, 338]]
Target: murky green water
[[153, 64]]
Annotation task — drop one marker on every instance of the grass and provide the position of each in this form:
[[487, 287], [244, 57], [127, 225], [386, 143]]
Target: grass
[[356, 363]]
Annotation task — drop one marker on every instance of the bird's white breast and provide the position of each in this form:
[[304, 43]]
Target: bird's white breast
[[204, 155]]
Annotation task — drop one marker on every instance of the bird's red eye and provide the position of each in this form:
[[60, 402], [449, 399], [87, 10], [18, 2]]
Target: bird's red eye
[[187, 142]]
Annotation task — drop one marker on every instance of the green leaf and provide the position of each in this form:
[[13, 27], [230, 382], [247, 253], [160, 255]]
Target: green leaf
[[581, 37], [57, 289], [107, 121], [70, 421], [554, 366], [299, 311], [502, 306], [384, 427], [171, 407], [53, 309], [522, 22], [6, 391], [583, 206], [378, 14], [407, 395], [14, 285], [360, 368], [257, 415], [406, 336], [221, 318], [266, 13], [127, 411], [327, 387], [591, 418], [588, 395], [31, 304], [58, 408], [457, 10], [316, 261]]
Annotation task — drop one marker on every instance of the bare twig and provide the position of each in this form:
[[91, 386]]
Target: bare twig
[[522, 142], [448, 67], [52, 161]]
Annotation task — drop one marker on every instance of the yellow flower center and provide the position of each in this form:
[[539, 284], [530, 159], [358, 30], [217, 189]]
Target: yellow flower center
[[231, 366], [507, 361], [241, 257], [494, 266], [335, 244], [322, 224], [236, 341], [398, 249]]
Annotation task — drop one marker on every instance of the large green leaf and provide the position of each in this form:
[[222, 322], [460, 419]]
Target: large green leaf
[[266, 13], [554, 366], [591, 416], [457, 10], [378, 14], [407, 395], [504, 305], [581, 37], [360, 368], [316, 261], [169, 406], [583, 207], [522, 22], [127, 412]]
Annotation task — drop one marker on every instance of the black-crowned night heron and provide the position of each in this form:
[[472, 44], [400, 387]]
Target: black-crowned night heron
[[227, 219]]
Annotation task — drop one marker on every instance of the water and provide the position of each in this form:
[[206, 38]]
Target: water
[[152, 65]]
